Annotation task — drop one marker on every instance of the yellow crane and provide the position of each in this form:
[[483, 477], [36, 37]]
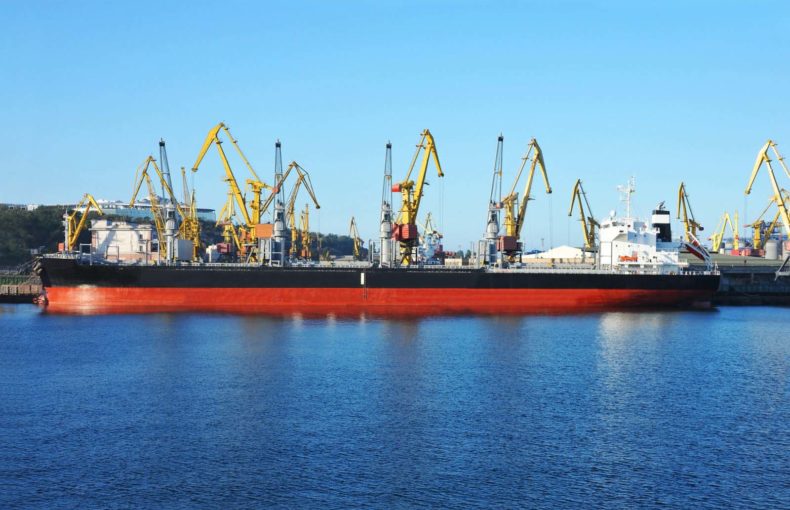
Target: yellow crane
[[762, 157], [189, 226], [225, 220], [354, 234], [589, 223], [718, 235], [515, 206], [302, 180], [73, 228], [690, 225], [762, 230], [405, 229], [304, 227], [156, 210], [252, 216]]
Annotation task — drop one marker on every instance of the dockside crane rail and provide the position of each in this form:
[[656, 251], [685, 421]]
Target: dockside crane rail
[[74, 228], [586, 218], [686, 215], [515, 206], [762, 157], [353, 232], [405, 229]]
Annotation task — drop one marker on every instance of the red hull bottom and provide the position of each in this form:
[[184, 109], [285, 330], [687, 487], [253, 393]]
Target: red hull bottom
[[351, 302]]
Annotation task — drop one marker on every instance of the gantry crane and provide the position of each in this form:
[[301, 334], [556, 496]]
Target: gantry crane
[[354, 234], [589, 223], [762, 157], [763, 230], [690, 225], [718, 235], [251, 215], [73, 228], [188, 224], [405, 228], [515, 206]]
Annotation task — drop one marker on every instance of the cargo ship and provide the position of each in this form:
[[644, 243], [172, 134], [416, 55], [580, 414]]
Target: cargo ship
[[635, 264], [78, 286], [636, 267]]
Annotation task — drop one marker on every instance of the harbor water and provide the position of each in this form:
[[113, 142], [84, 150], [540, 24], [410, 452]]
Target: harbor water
[[608, 410]]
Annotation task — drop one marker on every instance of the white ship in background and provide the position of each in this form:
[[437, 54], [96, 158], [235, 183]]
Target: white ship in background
[[632, 243]]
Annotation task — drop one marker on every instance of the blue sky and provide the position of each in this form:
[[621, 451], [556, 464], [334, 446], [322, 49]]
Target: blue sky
[[664, 91]]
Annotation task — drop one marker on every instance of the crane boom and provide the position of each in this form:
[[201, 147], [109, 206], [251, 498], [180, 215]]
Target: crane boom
[[515, 206], [762, 157], [585, 215], [354, 234], [405, 230], [212, 138], [763, 231], [156, 211], [718, 235], [690, 225], [74, 229], [188, 225]]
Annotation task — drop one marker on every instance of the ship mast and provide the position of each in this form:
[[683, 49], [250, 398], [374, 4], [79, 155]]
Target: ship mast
[[625, 194]]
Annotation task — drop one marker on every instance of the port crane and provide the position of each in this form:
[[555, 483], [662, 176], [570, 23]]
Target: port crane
[[302, 180], [225, 220], [515, 206], [763, 230], [690, 225], [251, 214], [718, 235], [354, 234], [306, 251], [589, 223], [430, 240], [385, 218], [763, 157], [405, 228], [74, 228], [188, 224], [491, 240], [156, 210]]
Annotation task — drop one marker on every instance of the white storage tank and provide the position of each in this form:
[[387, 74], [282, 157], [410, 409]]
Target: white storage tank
[[772, 249]]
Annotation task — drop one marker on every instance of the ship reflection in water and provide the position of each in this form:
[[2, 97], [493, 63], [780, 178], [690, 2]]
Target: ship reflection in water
[[626, 410]]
